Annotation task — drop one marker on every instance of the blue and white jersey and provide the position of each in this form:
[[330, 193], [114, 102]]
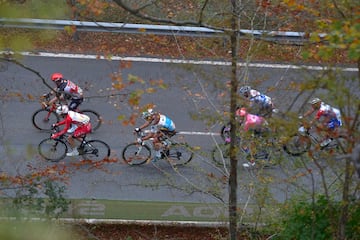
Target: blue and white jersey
[[166, 123], [261, 99]]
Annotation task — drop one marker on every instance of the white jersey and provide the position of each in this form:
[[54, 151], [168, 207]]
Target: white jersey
[[78, 117]]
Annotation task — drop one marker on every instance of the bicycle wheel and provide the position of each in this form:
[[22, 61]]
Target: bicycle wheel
[[52, 149], [136, 154], [339, 145], [95, 118], [179, 154], [297, 145], [221, 155], [225, 132], [42, 119], [95, 150]]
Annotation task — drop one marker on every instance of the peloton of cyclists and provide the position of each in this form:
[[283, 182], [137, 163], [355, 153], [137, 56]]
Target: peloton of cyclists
[[162, 127]]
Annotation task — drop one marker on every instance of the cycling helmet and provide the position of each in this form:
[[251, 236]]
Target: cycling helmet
[[62, 109], [244, 89], [147, 114], [241, 112], [314, 101], [56, 76]]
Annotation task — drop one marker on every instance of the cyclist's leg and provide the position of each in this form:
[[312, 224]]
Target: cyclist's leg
[[248, 145], [78, 133], [157, 147]]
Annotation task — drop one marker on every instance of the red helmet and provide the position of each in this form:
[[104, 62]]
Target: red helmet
[[241, 112], [56, 76]]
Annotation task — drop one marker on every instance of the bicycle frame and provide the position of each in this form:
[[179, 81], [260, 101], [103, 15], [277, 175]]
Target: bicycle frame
[[307, 133], [149, 142]]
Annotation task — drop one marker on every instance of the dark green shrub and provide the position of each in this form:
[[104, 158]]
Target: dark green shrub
[[319, 220]]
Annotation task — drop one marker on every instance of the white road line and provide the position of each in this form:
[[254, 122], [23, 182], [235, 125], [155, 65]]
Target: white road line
[[199, 133], [179, 61], [194, 133]]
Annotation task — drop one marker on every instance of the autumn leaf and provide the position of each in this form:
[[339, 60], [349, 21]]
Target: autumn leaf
[[70, 29], [150, 90]]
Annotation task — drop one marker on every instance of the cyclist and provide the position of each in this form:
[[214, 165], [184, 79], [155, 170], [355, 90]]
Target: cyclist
[[328, 117], [68, 90], [259, 103], [76, 124], [254, 124], [162, 127]]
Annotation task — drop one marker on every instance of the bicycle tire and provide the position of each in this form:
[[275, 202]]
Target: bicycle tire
[[95, 150], [338, 144], [179, 154], [95, 118], [41, 121], [295, 147], [221, 155], [136, 154], [52, 149]]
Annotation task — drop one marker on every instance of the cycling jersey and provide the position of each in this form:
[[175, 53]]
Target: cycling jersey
[[165, 123], [259, 98], [331, 115], [80, 121], [71, 89], [253, 122]]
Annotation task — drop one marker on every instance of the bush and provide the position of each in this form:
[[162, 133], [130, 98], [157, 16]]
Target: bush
[[318, 220]]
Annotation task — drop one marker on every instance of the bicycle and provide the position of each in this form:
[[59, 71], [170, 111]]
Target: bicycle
[[263, 156], [55, 149], [301, 142], [43, 118], [139, 153], [226, 128]]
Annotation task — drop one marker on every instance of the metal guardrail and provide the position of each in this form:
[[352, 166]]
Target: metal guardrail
[[297, 37]]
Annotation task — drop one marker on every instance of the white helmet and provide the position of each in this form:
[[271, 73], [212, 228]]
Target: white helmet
[[62, 109], [314, 101]]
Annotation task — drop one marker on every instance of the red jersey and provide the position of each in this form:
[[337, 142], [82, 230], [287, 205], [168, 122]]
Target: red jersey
[[72, 118]]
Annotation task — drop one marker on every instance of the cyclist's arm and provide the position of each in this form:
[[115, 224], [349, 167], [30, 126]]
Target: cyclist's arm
[[57, 97], [53, 100], [308, 113], [144, 125], [67, 121], [148, 136]]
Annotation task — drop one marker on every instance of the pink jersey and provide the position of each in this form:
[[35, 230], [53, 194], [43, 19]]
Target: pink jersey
[[253, 121]]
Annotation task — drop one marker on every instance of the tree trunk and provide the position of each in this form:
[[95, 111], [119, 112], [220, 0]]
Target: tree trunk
[[233, 217]]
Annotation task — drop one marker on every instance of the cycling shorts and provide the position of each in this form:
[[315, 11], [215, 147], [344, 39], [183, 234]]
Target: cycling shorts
[[75, 102], [82, 130], [333, 123]]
